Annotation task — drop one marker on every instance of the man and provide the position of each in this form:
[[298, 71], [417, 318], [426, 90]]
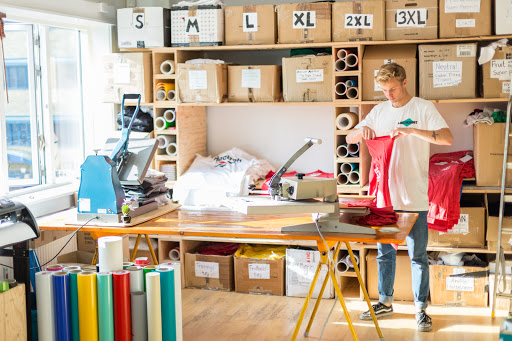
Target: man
[[416, 123]]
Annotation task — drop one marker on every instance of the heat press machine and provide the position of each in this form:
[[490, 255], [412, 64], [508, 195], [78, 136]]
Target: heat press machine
[[121, 162], [17, 227]]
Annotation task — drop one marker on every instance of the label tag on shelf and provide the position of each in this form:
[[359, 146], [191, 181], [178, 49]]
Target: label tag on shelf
[[353, 20], [250, 23], [309, 75], [197, 79], [501, 69], [462, 6], [251, 78], [460, 283], [207, 269], [304, 19], [259, 271], [465, 23], [466, 50], [447, 74], [411, 17]]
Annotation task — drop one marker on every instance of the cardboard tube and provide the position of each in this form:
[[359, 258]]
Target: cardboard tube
[[167, 67], [341, 54], [340, 65], [170, 115], [174, 254], [161, 95], [342, 151], [171, 149], [161, 123], [340, 88], [347, 120], [353, 92], [348, 260], [353, 177], [353, 149], [347, 167], [342, 266], [171, 95], [163, 141], [352, 60], [342, 179]]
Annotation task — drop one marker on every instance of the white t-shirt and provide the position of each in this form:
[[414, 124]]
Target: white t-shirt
[[408, 168]]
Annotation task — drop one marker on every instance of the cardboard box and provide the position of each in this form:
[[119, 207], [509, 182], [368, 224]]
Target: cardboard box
[[501, 303], [503, 17], [85, 242], [307, 79], [403, 286], [202, 83], [464, 18], [209, 272], [496, 73], [127, 73], [47, 237], [469, 232], [378, 55], [488, 149], [197, 25], [301, 266], [359, 20], [255, 83], [13, 324], [259, 276], [76, 258], [492, 233], [460, 291], [447, 71], [304, 23], [411, 19], [143, 27], [250, 25]]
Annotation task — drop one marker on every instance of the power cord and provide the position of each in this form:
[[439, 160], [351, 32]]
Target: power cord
[[58, 253]]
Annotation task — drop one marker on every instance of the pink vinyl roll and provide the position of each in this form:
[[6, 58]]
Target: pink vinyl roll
[[54, 267]]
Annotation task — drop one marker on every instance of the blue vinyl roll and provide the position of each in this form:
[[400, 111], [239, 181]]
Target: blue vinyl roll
[[168, 304], [61, 304]]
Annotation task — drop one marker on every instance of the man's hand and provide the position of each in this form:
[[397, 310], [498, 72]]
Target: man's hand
[[399, 132], [367, 133]]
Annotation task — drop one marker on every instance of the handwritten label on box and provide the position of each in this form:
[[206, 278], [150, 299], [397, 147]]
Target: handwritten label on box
[[460, 283], [411, 17], [505, 87], [197, 79], [353, 20], [501, 69], [251, 78], [250, 23], [259, 271], [207, 269], [465, 23], [447, 74], [462, 6], [309, 76]]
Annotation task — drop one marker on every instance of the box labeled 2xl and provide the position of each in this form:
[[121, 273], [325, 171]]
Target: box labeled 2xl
[[359, 20], [197, 25], [143, 27], [304, 23], [307, 79], [250, 25], [469, 18], [411, 19]]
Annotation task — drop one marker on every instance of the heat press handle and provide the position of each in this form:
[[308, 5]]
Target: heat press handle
[[121, 148]]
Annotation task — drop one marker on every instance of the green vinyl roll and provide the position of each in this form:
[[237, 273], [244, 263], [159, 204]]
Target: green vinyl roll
[[73, 290], [105, 307], [4, 286], [147, 269]]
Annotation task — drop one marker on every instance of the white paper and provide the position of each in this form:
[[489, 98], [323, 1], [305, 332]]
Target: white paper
[[197, 79], [466, 158], [309, 75], [121, 73], [353, 20], [138, 20], [465, 22], [505, 87], [466, 50], [250, 23], [462, 6], [192, 26], [411, 17], [85, 205], [460, 283], [501, 69], [304, 19], [457, 271], [462, 227], [251, 78], [207, 269], [259, 271], [447, 74]]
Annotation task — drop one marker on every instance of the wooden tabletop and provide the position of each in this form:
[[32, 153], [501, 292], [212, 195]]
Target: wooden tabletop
[[229, 224]]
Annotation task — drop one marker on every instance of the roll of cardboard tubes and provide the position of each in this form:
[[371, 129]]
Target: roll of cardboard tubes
[[340, 65], [346, 121], [342, 54], [342, 179], [342, 151], [353, 177], [353, 92], [340, 88], [353, 149], [352, 60]]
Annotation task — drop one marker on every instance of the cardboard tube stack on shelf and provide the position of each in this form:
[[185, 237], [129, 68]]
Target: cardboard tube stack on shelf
[[346, 121], [167, 67], [340, 64], [340, 88]]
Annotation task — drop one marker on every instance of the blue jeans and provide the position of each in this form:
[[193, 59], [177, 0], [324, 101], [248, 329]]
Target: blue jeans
[[417, 247]]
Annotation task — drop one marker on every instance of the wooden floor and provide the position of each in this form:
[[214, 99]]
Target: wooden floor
[[215, 316]]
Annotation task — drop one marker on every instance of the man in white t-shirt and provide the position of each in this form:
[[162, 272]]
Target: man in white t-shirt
[[416, 123]]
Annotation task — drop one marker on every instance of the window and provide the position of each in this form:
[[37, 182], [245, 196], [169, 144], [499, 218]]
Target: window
[[44, 116]]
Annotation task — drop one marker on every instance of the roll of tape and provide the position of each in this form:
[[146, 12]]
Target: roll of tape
[[161, 123], [171, 149], [161, 94], [346, 121], [163, 141], [167, 67]]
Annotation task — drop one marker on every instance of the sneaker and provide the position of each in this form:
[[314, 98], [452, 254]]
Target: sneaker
[[380, 310], [424, 321]]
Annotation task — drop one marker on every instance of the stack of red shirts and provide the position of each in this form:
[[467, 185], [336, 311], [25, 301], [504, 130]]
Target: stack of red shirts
[[445, 176], [218, 249], [378, 216], [317, 174]]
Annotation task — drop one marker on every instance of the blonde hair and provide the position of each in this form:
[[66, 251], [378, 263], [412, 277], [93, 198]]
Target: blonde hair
[[387, 71]]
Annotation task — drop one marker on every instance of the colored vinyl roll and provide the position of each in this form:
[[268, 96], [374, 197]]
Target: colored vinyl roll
[[342, 179], [147, 269], [110, 253], [177, 288], [127, 264], [154, 304], [171, 95], [136, 278], [168, 304], [45, 310], [348, 260], [4, 286], [139, 316], [342, 266], [61, 306], [174, 254], [163, 141], [346, 120], [73, 267], [73, 291], [342, 54], [353, 149], [353, 177], [170, 115], [12, 282], [353, 92], [122, 312], [340, 88], [87, 305], [342, 151], [167, 67], [54, 267], [105, 306], [340, 65], [161, 95], [161, 123], [351, 83], [352, 60], [171, 149]]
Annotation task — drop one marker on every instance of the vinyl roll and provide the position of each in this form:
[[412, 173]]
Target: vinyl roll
[[171, 149], [45, 310], [73, 290], [4, 286], [73, 267], [161, 123], [342, 151], [127, 264], [352, 60], [147, 269], [105, 306], [342, 179], [174, 254], [348, 260], [353, 92], [353, 177], [61, 306], [346, 120], [342, 54], [136, 278], [122, 312], [154, 306], [171, 95], [342, 266], [353, 149], [340, 88], [170, 115], [139, 316], [110, 253], [87, 305], [54, 267], [347, 167], [163, 141], [168, 87], [167, 67], [340, 65], [351, 83], [177, 290], [161, 95], [168, 298]]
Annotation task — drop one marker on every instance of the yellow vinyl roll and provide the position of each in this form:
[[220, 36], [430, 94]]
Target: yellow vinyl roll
[[168, 87], [87, 306]]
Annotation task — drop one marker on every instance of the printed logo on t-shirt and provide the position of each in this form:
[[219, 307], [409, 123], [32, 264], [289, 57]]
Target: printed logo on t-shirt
[[408, 122], [223, 161]]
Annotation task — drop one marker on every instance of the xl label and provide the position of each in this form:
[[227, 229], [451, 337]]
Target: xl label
[[304, 19]]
